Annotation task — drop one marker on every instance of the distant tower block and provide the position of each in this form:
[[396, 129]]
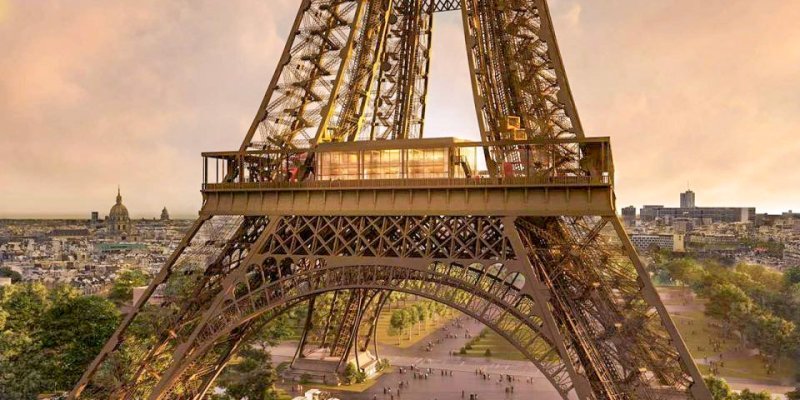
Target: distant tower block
[[687, 199], [165, 214], [336, 199]]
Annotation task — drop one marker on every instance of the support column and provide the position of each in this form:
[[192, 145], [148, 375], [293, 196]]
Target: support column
[[541, 296], [699, 391]]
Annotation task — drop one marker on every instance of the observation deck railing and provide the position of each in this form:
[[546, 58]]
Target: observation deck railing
[[538, 162]]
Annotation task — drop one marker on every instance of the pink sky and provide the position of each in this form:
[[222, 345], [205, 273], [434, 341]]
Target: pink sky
[[96, 93]]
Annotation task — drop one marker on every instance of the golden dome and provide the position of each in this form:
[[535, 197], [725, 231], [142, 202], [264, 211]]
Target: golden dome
[[118, 210]]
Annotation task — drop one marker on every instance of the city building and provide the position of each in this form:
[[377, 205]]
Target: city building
[[629, 215], [683, 225], [716, 214], [75, 253], [649, 212], [687, 199], [689, 210], [791, 254], [95, 219], [674, 242], [165, 214], [119, 221]]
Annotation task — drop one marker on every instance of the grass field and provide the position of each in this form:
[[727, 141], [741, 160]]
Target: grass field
[[417, 332], [698, 331], [499, 347]]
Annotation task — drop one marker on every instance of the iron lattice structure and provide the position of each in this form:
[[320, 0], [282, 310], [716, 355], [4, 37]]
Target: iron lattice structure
[[532, 247]]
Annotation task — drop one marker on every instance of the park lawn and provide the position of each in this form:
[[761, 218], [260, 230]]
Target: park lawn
[[417, 333], [753, 368], [500, 348], [697, 329], [498, 345]]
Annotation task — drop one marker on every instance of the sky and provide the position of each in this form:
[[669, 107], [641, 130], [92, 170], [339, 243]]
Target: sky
[[96, 93]]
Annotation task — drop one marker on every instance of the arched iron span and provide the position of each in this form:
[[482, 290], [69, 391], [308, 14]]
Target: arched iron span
[[496, 302]]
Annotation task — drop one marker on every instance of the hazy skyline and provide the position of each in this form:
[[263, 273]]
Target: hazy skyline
[[95, 94]]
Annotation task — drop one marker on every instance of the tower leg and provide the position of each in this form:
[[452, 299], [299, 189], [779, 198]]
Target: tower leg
[[699, 391]]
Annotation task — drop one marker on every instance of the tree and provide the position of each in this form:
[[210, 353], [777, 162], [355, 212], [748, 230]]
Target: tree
[[422, 315], [413, 318], [250, 376], [7, 272], [728, 303], [276, 331], [748, 395], [74, 332], [686, 270], [398, 322], [720, 390], [792, 276], [775, 336], [62, 294], [48, 338], [25, 305], [122, 290], [350, 373], [3, 317]]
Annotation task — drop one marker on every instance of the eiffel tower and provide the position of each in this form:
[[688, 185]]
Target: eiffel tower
[[335, 199]]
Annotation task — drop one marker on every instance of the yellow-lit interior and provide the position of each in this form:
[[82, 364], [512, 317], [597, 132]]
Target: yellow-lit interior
[[396, 164]]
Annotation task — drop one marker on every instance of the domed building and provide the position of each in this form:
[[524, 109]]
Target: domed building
[[165, 214], [119, 221]]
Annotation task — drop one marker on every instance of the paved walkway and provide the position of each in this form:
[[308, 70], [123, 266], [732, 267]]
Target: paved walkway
[[438, 387], [527, 381]]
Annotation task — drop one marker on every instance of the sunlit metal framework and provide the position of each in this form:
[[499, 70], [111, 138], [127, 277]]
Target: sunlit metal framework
[[532, 247]]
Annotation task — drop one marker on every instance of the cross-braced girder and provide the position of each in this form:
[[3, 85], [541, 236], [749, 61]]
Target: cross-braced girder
[[594, 298], [531, 247]]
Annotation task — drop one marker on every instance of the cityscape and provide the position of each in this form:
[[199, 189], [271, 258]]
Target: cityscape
[[391, 226]]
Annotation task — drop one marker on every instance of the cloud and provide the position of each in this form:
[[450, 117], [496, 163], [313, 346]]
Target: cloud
[[96, 93], [573, 16]]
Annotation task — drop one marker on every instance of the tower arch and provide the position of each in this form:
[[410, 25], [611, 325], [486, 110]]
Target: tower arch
[[490, 299]]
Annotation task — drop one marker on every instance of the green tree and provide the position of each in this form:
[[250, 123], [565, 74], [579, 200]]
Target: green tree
[[47, 338], [73, 332], [728, 303], [350, 373], [748, 395], [62, 294], [775, 336], [792, 276], [3, 317], [122, 290], [25, 305], [720, 390], [686, 270], [397, 323], [413, 318], [422, 314], [7, 272], [276, 331], [250, 376]]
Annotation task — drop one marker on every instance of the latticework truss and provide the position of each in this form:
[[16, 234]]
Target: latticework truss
[[558, 279]]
